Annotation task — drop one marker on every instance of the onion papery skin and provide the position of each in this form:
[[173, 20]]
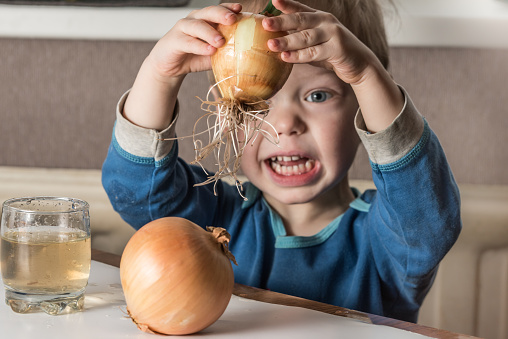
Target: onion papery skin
[[244, 68], [176, 277]]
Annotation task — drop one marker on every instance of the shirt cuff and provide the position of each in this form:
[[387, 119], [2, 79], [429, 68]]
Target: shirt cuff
[[143, 142], [394, 142]]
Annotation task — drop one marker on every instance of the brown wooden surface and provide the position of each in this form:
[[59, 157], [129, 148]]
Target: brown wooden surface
[[284, 299]]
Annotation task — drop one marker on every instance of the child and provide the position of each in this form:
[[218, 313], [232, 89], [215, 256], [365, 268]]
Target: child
[[303, 231]]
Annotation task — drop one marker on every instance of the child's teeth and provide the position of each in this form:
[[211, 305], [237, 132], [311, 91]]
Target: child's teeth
[[293, 169], [309, 164], [276, 167]]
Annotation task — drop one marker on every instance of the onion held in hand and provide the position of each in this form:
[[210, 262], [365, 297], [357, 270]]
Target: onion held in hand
[[177, 278], [244, 68], [247, 73]]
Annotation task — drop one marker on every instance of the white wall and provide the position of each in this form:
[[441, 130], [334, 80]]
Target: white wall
[[459, 23]]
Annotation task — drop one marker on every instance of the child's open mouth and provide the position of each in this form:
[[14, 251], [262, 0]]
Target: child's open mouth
[[291, 165]]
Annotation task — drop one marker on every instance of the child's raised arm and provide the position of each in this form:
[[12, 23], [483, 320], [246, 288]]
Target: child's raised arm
[[320, 39], [184, 49]]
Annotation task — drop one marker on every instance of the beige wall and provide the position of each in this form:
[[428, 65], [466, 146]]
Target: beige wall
[[57, 100]]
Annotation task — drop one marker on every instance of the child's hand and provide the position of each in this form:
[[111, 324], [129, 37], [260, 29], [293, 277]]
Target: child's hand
[[188, 45], [318, 38], [185, 48]]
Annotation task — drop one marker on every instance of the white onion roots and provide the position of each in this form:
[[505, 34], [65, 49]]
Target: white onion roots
[[247, 74], [231, 126]]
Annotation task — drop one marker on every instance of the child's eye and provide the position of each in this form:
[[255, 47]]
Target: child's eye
[[318, 96]]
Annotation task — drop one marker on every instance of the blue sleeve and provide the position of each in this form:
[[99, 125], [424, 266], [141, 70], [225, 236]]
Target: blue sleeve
[[142, 189], [415, 217]]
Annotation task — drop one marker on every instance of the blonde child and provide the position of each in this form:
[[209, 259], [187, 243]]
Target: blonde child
[[303, 230]]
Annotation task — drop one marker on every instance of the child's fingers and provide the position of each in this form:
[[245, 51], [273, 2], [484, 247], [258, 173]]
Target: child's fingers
[[294, 22], [216, 14], [232, 6], [201, 30], [306, 55], [201, 23], [296, 15], [191, 45], [299, 40], [311, 34]]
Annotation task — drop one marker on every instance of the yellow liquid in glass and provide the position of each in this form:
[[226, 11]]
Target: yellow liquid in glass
[[41, 260]]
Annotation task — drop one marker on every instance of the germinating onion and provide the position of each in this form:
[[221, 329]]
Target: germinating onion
[[177, 278], [247, 73]]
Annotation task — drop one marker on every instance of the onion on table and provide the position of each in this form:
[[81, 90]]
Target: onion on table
[[177, 277], [247, 74]]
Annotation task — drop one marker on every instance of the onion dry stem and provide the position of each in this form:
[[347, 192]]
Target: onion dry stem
[[223, 237]]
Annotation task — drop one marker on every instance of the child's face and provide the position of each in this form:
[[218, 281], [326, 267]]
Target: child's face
[[313, 114]]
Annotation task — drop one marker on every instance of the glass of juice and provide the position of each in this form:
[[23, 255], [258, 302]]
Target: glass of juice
[[45, 253]]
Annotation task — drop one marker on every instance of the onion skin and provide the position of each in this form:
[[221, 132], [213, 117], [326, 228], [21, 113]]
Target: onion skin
[[251, 70], [176, 277]]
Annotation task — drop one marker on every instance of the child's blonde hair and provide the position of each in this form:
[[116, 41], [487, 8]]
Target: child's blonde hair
[[364, 18]]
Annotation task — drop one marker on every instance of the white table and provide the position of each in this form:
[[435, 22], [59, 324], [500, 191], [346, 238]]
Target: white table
[[105, 316]]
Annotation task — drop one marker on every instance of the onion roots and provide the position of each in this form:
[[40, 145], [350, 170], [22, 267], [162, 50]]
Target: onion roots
[[247, 74]]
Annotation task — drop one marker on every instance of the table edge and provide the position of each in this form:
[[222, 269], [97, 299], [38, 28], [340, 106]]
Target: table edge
[[258, 294]]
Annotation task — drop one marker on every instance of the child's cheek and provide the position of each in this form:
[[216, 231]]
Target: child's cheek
[[249, 158]]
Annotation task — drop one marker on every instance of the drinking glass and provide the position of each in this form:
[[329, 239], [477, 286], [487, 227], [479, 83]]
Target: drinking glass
[[45, 253]]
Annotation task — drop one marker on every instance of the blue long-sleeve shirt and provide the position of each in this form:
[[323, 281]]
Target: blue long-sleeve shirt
[[380, 256]]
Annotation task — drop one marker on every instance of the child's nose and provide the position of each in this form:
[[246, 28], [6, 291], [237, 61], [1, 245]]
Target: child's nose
[[286, 121]]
